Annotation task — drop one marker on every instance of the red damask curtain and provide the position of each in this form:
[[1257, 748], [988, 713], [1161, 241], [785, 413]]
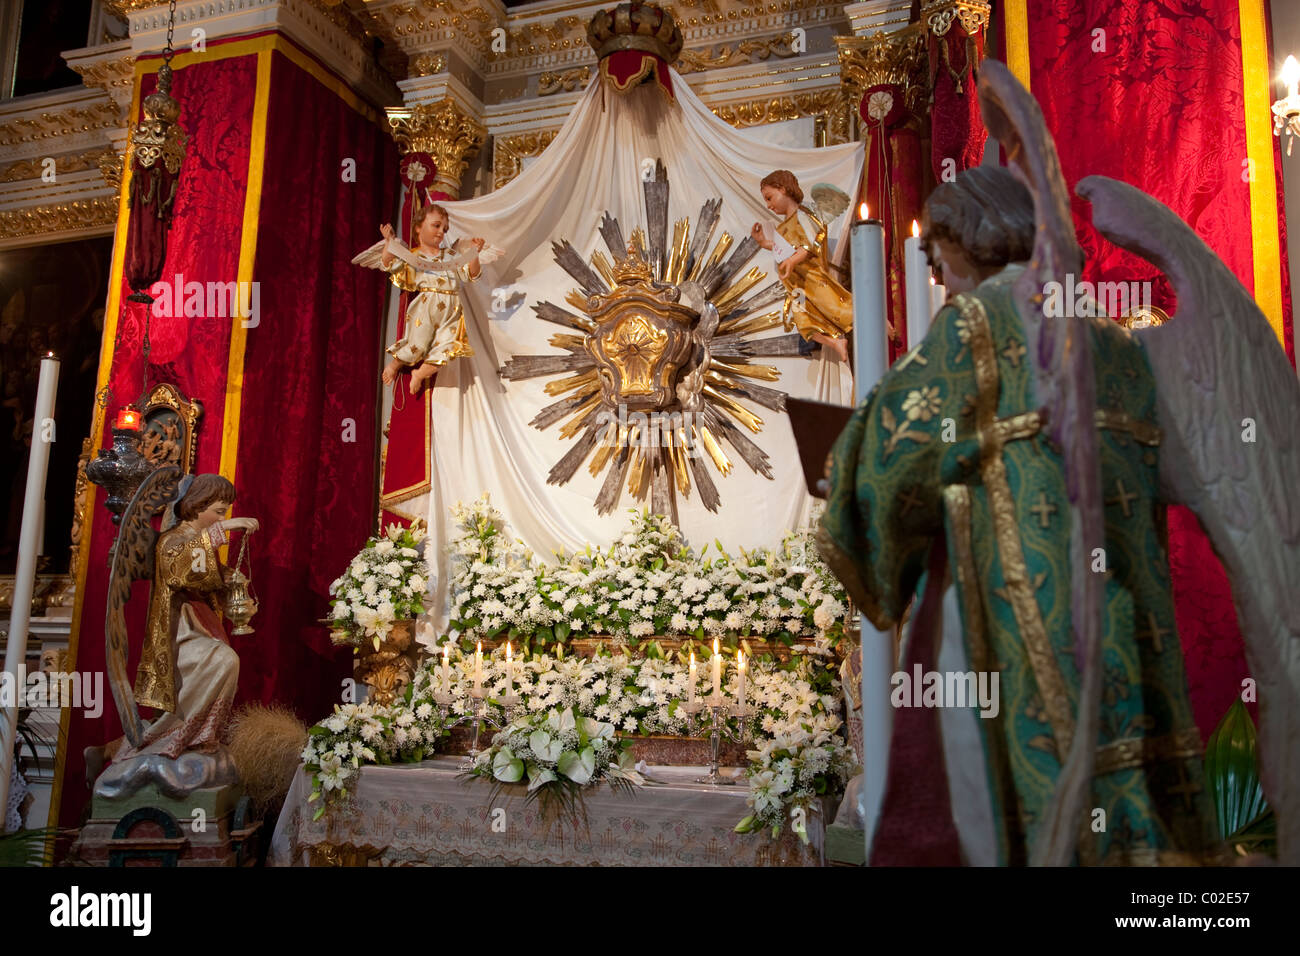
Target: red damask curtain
[[1151, 92], [307, 413]]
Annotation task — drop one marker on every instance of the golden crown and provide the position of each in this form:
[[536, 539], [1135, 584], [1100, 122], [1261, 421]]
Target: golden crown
[[635, 26], [632, 267]]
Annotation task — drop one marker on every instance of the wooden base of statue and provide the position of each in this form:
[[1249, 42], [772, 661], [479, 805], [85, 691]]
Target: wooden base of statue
[[210, 827]]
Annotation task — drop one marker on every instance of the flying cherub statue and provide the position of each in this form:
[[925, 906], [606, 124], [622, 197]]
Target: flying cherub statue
[[1072, 434]]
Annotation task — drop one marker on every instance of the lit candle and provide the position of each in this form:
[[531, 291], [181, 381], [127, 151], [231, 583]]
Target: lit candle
[[510, 671], [1291, 76], [446, 666], [717, 670], [692, 678], [740, 666], [38, 460], [869, 336], [916, 270], [478, 666], [128, 419]]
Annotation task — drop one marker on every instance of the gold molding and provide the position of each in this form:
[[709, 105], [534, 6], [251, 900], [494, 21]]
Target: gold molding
[[565, 82], [972, 15], [114, 77], [508, 153], [429, 64], [885, 59], [444, 131], [735, 54], [828, 108], [79, 501], [65, 122], [73, 163], [58, 217], [49, 591]]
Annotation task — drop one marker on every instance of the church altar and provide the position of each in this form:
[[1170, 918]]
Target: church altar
[[429, 814]]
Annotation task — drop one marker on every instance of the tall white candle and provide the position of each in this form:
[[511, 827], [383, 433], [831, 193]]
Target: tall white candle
[[692, 679], [478, 666], [870, 349], [38, 461], [740, 666], [938, 296], [446, 665], [916, 273], [510, 671], [717, 670]]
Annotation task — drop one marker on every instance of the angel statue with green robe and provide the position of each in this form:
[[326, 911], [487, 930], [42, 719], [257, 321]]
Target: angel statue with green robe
[[1012, 472]]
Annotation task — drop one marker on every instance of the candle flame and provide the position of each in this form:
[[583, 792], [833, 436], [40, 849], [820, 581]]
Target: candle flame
[[507, 650], [715, 647], [480, 648], [740, 660], [916, 229], [864, 212], [1291, 74], [931, 280], [446, 650], [692, 659]]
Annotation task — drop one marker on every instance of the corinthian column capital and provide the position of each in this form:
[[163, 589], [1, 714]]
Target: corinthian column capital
[[444, 131]]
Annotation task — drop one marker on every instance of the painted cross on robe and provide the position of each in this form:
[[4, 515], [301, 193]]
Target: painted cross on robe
[[1185, 788], [1044, 509], [1014, 352], [1123, 498], [909, 500], [1154, 632]]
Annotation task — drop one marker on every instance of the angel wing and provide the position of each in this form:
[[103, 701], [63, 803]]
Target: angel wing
[[1218, 368], [132, 560], [828, 201], [1064, 381], [461, 252]]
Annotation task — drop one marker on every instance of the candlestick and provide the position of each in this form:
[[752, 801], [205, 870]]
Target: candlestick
[[717, 670], [740, 666], [691, 699], [38, 461], [916, 272], [869, 333]]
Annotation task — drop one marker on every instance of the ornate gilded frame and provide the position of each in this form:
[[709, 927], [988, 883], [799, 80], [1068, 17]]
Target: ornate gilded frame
[[167, 410], [508, 153]]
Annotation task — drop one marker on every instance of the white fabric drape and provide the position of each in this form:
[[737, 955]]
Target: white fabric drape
[[482, 441]]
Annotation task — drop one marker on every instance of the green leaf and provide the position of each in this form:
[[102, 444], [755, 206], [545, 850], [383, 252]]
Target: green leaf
[[747, 825], [1232, 771], [562, 631], [506, 767], [578, 767]]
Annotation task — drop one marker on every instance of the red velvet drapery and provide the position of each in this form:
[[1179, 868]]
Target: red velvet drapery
[[309, 364], [1152, 93]]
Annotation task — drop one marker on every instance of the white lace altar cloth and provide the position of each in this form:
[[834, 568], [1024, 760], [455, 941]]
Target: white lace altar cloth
[[429, 814]]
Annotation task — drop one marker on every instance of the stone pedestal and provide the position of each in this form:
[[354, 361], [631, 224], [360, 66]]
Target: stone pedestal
[[208, 828]]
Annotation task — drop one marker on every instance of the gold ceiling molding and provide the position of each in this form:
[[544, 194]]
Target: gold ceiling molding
[[508, 153], [972, 15], [114, 77], [828, 108], [35, 168], [58, 217], [565, 82], [734, 54], [111, 165], [885, 59], [65, 122], [445, 132], [428, 64]]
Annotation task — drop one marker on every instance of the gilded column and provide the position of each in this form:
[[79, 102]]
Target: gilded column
[[444, 132]]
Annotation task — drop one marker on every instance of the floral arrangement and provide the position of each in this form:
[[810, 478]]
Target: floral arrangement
[[384, 584], [574, 708], [559, 751], [648, 582]]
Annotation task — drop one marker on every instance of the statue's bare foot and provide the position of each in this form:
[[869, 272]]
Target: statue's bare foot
[[422, 374]]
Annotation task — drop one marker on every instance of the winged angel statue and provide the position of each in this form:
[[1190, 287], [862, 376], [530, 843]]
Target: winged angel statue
[[1074, 433]]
